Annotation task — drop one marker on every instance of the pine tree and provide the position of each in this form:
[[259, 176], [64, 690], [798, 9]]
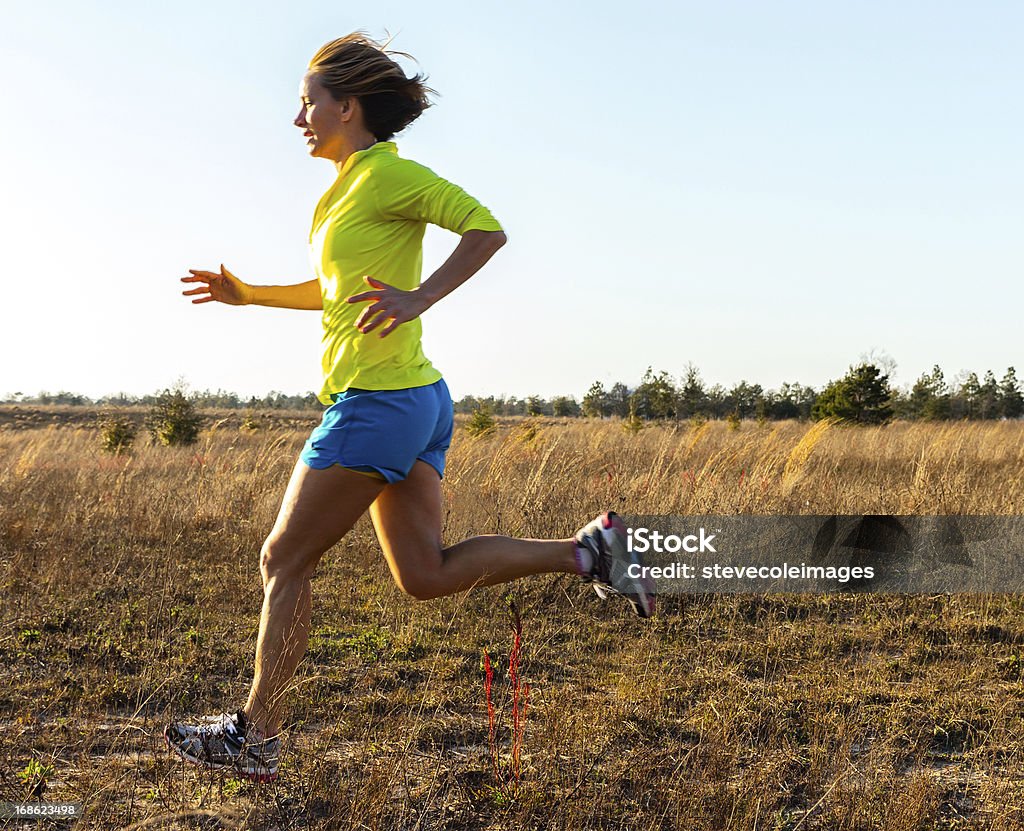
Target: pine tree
[[563, 405], [1010, 392], [990, 398], [862, 396], [929, 397], [692, 398], [656, 396], [595, 402], [618, 399], [970, 395]]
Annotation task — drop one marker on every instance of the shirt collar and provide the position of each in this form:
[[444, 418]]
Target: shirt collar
[[377, 147]]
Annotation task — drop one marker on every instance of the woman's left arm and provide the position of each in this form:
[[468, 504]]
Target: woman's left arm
[[475, 248]]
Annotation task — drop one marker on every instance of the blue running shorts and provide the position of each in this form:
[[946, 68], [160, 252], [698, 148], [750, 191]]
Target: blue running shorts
[[384, 431]]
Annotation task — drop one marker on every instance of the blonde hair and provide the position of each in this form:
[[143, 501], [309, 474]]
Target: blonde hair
[[357, 65]]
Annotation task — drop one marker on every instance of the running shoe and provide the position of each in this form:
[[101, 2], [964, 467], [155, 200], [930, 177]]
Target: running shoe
[[605, 539], [221, 743]]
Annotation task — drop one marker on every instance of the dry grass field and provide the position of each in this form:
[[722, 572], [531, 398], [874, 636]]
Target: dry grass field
[[131, 595]]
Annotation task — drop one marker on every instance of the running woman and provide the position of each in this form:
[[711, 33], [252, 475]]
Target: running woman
[[388, 420]]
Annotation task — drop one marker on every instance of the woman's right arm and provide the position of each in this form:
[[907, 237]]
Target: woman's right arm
[[225, 287]]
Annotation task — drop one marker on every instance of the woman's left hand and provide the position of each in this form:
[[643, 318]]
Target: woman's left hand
[[390, 303]]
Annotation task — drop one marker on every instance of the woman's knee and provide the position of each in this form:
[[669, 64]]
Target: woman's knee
[[416, 568], [419, 581], [418, 586], [282, 560]]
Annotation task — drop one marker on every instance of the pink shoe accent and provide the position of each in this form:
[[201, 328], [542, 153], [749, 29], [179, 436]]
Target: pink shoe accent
[[579, 551]]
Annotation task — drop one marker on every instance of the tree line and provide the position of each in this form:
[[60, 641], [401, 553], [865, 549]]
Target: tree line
[[221, 399], [863, 395]]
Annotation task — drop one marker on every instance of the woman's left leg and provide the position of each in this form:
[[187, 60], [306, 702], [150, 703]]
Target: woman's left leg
[[407, 518]]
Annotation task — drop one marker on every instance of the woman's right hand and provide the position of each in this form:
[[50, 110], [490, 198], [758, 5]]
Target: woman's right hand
[[224, 287]]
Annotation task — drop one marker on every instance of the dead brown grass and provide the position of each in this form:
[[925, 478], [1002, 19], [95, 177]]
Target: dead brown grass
[[130, 595]]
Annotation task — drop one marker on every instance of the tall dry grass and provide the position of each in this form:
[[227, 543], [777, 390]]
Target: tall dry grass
[[131, 594]]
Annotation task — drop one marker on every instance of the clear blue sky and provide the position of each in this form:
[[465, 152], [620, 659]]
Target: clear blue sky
[[767, 190]]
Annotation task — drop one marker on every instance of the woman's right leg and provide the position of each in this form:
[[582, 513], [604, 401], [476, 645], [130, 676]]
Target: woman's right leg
[[318, 509]]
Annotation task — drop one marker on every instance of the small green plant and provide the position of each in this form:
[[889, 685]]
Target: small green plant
[[733, 420], [117, 432], [481, 422], [632, 423], [371, 644], [250, 423], [36, 777], [499, 798], [761, 413], [29, 635], [174, 420]]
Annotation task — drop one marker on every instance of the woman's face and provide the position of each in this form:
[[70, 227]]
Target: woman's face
[[322, 119]]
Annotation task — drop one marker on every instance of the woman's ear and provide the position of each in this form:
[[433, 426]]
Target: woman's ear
[[349, 107]]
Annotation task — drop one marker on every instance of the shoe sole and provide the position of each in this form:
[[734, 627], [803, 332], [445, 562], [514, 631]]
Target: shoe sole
[[642, 599], [202, 763]]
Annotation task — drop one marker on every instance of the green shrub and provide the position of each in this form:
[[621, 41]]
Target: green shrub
[[117, 432], [174, 420], [632, 423], [481, 422], [250, 423]]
